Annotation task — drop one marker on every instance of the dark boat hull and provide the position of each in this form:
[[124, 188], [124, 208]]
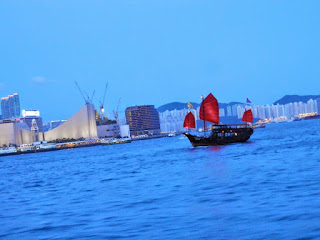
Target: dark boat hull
[[221, 136]]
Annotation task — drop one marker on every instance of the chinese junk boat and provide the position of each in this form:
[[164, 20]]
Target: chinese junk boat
[[220, 134]]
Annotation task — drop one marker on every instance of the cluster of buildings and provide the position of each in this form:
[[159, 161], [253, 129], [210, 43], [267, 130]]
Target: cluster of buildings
[[139, 121], [26, 126], [11, 112], [286, 111], [172, 121]]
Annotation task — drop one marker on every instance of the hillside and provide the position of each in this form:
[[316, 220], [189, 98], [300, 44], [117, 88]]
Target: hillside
[[296, 98], [284, 100], [179, 106], [176, 105]]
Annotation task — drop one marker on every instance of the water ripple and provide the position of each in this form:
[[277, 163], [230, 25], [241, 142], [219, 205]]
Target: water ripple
[[165, 189]]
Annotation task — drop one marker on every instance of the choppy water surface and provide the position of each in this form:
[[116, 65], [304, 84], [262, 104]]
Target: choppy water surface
[[267, 188]]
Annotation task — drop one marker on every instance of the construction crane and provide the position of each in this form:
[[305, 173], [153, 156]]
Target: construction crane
[[91, 100], [116, 113], [85, 95], [82, 94], [102, 102]]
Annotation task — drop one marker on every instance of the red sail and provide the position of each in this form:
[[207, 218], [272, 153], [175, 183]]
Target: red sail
[[209, 109], [189, 121], [247, 116]]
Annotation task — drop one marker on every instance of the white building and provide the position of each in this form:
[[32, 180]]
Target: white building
[[80, 125]]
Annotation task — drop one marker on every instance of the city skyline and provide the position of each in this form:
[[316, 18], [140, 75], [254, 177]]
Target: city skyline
[[156, 52], [173, 120], [223, 110], [159, 119]]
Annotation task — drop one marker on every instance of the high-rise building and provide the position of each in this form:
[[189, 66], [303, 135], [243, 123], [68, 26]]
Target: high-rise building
[[29, 115], [318, 105], [10, 106], [143, 120]]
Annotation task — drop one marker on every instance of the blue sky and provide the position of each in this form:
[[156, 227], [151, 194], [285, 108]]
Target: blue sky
[[155, 52]]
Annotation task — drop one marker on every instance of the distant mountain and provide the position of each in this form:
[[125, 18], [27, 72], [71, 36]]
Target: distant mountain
[[176, 105], [179, 106], [296, 98], [286, 99]]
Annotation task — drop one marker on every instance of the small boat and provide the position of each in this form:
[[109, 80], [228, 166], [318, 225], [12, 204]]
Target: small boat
[[311, 117], [115, 141], [258, 125], [220, 134], [171, 135], [7, 151]]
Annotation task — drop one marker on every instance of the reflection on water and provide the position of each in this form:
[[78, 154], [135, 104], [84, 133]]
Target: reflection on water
[[215, 148], [267, 188]]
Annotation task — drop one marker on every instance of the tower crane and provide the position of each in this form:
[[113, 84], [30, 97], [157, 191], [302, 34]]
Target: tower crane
[[82, 94], [116, 113], [91, 100]]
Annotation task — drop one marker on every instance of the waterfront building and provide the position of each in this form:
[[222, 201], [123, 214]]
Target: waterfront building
[[240, 111], [229, 111], [14, 133], [125, 131], [317, 105], [10, 106], [234, 110], [311, 106], [143, 120], [221, 112], [80, 125], [111, 130]]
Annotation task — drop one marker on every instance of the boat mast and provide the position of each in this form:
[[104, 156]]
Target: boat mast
[[188, 113], [204, 122]]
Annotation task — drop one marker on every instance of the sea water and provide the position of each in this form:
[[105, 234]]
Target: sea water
[[266, 188]]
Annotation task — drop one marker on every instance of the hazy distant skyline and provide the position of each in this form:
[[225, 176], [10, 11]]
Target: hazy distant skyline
[[156, 52]]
